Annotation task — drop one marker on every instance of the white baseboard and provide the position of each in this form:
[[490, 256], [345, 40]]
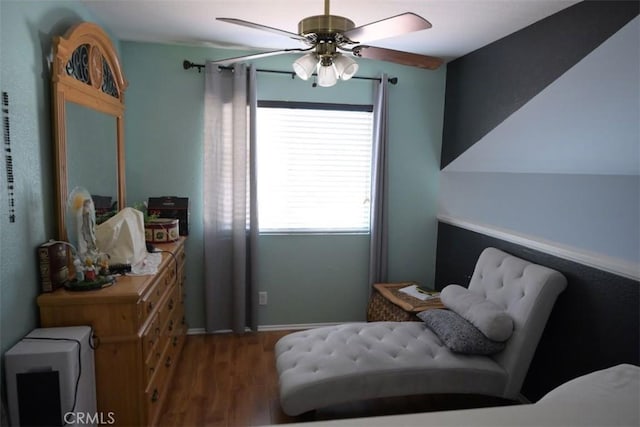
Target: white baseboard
[[290, 327], [601, 262]]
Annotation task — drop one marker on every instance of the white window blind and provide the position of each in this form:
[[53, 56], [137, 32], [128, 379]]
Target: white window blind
[[314, 169]]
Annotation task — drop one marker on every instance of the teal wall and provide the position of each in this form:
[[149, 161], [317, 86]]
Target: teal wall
[[26, 31], [309, 279]]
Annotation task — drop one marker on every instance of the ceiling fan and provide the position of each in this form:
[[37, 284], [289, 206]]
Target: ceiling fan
[[330, 38]]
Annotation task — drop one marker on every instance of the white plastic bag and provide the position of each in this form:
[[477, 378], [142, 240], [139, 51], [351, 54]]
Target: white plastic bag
[[122, 237]]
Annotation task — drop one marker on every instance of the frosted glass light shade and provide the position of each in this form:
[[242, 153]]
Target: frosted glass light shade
[[345, 66], [327, 76], [305, 66]]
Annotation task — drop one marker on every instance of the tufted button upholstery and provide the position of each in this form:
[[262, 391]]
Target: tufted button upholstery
[[339, 363], [353, 361]]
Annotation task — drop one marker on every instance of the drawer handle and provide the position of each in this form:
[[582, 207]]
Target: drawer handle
[[184, 320], [155, 396], [171, 325], [170, 304], [175, 341], [167, 363], [150, 306]]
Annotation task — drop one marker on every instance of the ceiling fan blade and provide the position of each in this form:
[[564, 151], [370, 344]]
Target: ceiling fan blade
[[229, 61], [263, 28], [387, 28], [399, 57]]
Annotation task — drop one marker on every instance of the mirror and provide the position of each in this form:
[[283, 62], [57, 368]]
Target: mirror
[[88, 119], [91, 150]]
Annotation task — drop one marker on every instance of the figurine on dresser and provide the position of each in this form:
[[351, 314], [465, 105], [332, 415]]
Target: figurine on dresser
[[83, 230], [90, 265]]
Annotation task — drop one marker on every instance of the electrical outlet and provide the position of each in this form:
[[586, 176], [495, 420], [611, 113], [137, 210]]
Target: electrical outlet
[[262, 298]]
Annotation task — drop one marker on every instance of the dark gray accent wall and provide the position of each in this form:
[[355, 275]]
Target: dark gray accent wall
[[594, 323], [486, 86]]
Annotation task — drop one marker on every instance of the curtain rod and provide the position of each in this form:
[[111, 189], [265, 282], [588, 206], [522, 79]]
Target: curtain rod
[[186, 64]]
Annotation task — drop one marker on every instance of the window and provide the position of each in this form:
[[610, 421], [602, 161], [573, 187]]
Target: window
[[314, 167]]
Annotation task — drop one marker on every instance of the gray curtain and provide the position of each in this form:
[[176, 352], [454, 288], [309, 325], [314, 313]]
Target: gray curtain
[[230, 209], [378, 247]]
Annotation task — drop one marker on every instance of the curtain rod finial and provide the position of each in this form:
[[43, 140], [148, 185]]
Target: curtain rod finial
[[393, 80], [187, 65]]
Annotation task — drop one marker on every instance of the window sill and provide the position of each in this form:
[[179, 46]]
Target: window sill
[[312, 233]]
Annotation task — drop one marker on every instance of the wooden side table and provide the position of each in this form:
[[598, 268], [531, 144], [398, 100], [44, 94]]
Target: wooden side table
[[387, 303]]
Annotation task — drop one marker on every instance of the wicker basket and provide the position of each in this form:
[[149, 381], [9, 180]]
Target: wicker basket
[[387, 303]]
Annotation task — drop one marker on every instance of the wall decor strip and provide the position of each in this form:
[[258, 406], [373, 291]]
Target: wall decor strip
[[589, 259]]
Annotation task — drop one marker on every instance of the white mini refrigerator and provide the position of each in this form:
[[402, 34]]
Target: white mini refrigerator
[[51, 378]]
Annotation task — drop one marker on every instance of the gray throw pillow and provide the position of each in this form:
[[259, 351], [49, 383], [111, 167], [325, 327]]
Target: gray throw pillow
[[485, 315], [458, 334]]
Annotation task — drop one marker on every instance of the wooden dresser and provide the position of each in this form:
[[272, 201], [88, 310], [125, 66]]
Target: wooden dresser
[[139, 330]]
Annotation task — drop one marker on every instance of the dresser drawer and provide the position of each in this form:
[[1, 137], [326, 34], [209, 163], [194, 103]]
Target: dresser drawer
[[181, 257], [152, 298], [170, 277], [151, 336], [160, 373], [172, 344], [154, 359], [155, 393], [172, 301], [158, 332]]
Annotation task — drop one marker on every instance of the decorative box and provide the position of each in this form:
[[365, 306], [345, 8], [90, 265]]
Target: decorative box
[[171, 207], [53, 262], [161, 230]]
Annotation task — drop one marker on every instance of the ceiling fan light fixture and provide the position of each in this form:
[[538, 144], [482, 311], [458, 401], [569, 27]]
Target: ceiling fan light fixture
[[345, 66], [327, 75], [328, 34], [305, 66]]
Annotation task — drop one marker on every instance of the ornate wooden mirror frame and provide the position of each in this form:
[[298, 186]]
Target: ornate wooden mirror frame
[[86, 71]]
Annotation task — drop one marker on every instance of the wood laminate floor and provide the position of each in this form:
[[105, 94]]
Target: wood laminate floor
[[230, 380]]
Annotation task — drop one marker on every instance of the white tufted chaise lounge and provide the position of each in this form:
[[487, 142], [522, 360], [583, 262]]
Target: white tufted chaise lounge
[[355, 361]]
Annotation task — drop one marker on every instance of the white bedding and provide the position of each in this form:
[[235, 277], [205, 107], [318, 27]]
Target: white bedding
[[605, 398]]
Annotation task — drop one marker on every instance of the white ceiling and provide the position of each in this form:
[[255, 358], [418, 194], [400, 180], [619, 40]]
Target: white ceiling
[[459, 26]]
